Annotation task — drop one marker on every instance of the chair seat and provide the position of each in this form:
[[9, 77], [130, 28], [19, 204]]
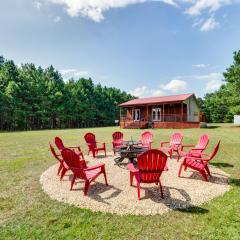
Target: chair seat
[[195, 164], [192, 154], [92, 173]]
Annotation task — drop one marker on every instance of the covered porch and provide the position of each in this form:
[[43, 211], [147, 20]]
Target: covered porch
[[165, 115]]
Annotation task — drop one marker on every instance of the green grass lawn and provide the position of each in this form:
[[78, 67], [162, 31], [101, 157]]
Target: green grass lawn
[[26, 212]]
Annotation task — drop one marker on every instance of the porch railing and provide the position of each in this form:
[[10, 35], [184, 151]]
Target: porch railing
[[164, 118]]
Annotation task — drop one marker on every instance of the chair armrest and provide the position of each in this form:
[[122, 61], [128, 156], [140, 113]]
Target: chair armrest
[[198, 158], [78, 147], [162, 143], [132, 168], [197, 149], [94, 167], [187, 145]]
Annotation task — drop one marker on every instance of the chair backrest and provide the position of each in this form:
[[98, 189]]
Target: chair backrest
[[74, 162], [117, 137], [54, 152], [90, 140], [176, 138], [215, 150], [59, 143], [151, 164], [147, 138], [203, 141]]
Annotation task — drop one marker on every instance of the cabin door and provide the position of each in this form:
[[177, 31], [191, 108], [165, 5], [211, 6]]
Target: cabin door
[[156, 114], [136, 114]]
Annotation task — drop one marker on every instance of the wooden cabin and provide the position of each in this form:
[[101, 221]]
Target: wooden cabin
[[178, 111]]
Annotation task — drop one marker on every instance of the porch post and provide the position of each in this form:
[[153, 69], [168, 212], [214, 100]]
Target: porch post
[[147, 113], [163, 114], [182, 112], [120, 116]]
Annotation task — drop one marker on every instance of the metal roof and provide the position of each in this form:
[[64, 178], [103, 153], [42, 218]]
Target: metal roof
[[157, 100]]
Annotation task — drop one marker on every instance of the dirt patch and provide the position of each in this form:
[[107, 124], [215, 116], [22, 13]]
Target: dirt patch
[[120, 198]]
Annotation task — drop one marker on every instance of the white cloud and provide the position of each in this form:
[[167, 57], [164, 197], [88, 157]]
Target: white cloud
[[200, 65], [94, 9], [57, 19], [140, 91], [175, 85], [213, 85], [73, 73], [209, 24], [37, 4], [211, 6], [208, 77], [144, 91]]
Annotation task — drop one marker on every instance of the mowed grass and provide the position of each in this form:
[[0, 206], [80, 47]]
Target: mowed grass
[[26, 212]]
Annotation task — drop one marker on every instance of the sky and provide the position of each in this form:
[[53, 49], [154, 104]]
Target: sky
[[144, 47]]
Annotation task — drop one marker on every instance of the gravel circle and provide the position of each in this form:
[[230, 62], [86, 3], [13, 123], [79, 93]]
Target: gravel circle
[[120, 198]]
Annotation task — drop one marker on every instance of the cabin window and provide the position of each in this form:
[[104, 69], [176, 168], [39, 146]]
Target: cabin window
[[156, 114], [136, 114]]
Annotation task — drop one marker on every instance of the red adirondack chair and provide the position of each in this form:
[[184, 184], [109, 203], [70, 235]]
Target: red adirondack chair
[[80, 169], [151, 164], [199, 164], [117, 139], [93, 144], [60, 146], [147, 139], [174, 145], [63, 168], [197, 149]]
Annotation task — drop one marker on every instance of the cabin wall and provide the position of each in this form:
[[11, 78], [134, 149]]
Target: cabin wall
[[193, 110], [169, 109]]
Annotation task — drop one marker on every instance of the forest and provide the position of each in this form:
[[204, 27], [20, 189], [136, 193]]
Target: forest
[[35, 98], [223, 104]]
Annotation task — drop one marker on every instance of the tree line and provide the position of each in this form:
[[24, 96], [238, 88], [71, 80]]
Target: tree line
[[35, 98], [223, 104]]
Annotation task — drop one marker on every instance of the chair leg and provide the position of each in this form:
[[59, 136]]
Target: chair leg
[[161, 190], [138, 184], [73, 181], [204, 175], [178, 156], [64, 170], [59, 169], [207, 169], [105, 152], [94, 154], [87, 183], [131, 178], [105, 176], [138, 189], [180, 170]]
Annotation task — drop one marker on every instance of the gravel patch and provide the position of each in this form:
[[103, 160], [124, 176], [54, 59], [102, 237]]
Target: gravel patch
[[120, 198]]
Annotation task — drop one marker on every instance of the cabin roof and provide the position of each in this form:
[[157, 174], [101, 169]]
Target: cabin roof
[[157, 100]]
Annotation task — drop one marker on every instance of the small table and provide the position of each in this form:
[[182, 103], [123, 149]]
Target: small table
[[130, 150]]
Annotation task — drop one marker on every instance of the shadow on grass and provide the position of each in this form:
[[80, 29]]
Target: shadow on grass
[[218, 164], [195, 210], [96, 189], [235, 182], [212, 127], [216, 178]]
